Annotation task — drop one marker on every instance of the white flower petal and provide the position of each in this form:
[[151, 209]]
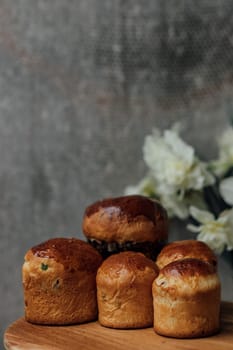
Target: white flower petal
[[146, 187], [202, 216], [228, 214], [129, 190], [173, 163], [217, 244], [179, 147], [174, 205], [225, 159], [219, 167], [226, 190], [193, 228]]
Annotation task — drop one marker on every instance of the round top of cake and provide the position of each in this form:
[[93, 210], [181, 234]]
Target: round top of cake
[[187, 277], [125, 268], [74, 254], [186, 249], [128, 218]]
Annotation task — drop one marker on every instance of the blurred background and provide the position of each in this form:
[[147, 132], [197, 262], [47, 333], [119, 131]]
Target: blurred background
[[81, 84]]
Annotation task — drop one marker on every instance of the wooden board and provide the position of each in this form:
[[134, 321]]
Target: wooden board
[[22, 335]]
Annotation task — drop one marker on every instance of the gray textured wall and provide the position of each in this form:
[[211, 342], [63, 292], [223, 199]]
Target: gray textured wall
[[81, 84]]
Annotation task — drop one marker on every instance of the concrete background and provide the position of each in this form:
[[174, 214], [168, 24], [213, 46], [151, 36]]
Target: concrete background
[[81, 84]]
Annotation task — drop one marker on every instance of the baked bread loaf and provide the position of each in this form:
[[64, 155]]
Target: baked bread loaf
[[134, 223], [186, 249], [59, 282], [186, 299], [124, 294]]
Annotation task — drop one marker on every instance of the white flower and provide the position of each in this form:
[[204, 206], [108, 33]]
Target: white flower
[[226, 190], [178, 205], [226, 145], [146, 187], [175, 206], [173, 164], [217, 233], [174, 175], [178, 178], [225, 159], [229, 214]]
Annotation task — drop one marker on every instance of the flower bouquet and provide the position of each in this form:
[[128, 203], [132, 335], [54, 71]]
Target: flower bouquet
[[201, 193]]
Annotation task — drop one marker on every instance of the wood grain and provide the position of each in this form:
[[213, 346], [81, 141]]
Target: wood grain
[[22, 335]]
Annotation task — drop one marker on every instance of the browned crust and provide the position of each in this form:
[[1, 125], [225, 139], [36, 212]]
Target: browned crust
[[59, 282], [130, 261], [188, 267], [186, 249], [72, 253], [127, 218], [124, 291], [186, 299], [131, 206]]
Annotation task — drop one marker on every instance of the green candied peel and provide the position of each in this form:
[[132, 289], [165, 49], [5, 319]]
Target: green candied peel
[[44, 267]]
